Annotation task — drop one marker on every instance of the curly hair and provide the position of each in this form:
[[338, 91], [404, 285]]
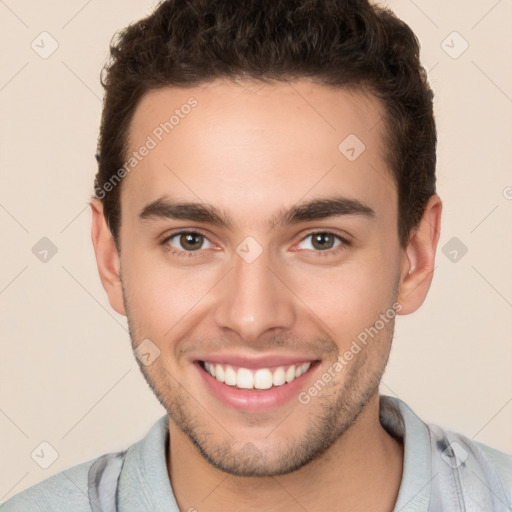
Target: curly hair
[[342, 43]]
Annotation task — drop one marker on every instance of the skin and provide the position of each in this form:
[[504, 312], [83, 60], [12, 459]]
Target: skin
[[252, 151]]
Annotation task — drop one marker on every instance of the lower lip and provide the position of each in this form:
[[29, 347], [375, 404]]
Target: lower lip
[[255, 400]]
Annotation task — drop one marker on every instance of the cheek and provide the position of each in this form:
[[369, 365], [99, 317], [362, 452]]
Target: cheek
[[347, 299], [160, 295]]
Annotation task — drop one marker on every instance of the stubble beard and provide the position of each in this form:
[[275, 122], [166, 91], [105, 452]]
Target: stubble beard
[[334, 413]]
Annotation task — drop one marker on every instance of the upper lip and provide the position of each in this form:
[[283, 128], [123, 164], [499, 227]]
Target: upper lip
[[254, 362]]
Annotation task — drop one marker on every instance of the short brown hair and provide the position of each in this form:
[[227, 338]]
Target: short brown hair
[[343, 43]]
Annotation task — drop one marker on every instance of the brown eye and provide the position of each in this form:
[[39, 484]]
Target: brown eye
[[191, 241], [321, 241], [188, 241]]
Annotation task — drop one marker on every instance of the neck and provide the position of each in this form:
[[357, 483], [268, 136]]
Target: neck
[[361, 471]]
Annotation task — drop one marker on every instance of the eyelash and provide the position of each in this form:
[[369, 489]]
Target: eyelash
[[180, 253], [191, 254], [328, 252]]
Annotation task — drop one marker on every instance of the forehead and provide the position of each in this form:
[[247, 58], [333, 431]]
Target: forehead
[[257, 147]]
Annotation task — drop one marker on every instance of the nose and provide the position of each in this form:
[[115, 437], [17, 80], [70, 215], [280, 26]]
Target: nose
[[254, 300]]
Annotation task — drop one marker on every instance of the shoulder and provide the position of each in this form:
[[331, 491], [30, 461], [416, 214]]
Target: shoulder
[[69, 489], [459, 468], [502, 463], [483, 464], [64, 491]]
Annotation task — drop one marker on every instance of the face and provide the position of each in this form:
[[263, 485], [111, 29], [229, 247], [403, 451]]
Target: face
[[258, 244]]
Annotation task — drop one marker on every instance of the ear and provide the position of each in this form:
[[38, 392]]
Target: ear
[[107, 257], [418, 259]]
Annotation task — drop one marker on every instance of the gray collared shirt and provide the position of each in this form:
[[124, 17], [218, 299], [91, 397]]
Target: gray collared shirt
[[443, 472]]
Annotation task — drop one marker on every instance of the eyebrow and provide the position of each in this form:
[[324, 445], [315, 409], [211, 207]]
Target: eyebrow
[[316, 209]]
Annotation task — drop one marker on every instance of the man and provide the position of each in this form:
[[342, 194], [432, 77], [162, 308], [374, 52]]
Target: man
[[264, 207]]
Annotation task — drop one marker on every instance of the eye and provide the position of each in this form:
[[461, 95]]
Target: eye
[[321, 241], [188, 241]]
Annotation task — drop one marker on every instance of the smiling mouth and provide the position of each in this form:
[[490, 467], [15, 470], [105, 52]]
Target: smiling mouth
[[258, 379]]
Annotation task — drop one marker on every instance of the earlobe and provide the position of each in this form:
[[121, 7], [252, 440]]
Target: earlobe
[[419, 258], [107, 257]]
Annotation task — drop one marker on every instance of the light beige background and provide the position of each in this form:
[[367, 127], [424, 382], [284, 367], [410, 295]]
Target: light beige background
[[67, 373]]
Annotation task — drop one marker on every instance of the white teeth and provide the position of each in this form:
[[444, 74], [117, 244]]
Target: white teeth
[[290, 374], [303, 368], [278, 377], [219, 372], [230, 376], [244, 379], [210, 368], [262, 378]]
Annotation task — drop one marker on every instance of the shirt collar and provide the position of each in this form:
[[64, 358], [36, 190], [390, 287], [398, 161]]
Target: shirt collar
[[144, 482], [401, 422]]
